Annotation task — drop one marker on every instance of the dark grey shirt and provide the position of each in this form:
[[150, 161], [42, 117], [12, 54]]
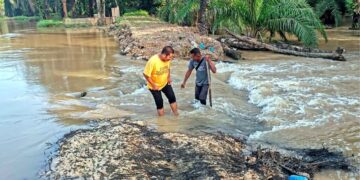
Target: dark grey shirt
[[201, 73]]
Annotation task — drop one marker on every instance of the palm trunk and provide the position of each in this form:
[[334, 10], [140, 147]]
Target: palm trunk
[[101, 11], [356, 16], [202, 21], [333, 55]]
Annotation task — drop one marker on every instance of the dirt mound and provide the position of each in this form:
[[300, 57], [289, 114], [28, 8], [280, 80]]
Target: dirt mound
[[142, 37]]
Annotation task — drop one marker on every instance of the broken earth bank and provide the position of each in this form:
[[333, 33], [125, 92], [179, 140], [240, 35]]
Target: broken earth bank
[[124, 149]]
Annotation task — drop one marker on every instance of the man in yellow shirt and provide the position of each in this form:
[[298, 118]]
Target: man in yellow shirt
[[157, 75]]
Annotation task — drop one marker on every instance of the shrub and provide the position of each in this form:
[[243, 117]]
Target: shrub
[[49, 23], [137, 13], [26, 18]]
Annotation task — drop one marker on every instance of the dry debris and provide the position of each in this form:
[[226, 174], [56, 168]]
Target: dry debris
[[125, 150]]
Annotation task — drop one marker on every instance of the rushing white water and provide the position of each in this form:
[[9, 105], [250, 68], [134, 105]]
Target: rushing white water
[[306, 102]]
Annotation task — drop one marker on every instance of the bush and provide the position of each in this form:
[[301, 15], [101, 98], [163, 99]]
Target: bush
[[118, 20], [49, 23], [137, 13], [26, 18]]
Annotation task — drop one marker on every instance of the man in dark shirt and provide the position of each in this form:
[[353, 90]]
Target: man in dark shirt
[[199, 63]]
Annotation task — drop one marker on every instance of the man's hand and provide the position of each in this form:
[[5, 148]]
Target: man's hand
[[169, 81], [208, 56], [183, 85]]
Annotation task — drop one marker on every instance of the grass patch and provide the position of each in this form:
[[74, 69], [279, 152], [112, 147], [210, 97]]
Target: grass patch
[[26, 18], [118, 20], [137, 13], [50, 23]]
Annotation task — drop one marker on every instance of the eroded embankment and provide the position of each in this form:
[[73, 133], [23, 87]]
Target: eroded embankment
[[124, 149]]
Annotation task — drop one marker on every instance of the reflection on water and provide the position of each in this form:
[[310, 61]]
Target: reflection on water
[[296, 102], [38, 69]]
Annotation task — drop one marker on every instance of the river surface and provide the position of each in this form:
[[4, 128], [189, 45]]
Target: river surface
[[283, 101]]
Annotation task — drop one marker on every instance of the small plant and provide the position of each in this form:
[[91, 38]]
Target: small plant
[[137, 13], [26, 18], [118, 20], [49, 23]]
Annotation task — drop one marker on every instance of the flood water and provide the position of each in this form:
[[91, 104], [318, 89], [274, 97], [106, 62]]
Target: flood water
[[287, 102]]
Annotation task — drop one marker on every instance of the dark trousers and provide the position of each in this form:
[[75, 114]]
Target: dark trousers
[[201, 93], [169, 93]]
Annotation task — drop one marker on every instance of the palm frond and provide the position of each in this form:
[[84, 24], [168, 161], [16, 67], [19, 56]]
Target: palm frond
[[295, 17], [329, 5]]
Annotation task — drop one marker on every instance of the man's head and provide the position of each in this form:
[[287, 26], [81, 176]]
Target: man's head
[[167, 53], [196, 54]]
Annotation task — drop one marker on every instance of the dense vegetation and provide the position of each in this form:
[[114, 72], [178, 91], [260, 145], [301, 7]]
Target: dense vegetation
[[256, 18], [304, 19], [76, 8]]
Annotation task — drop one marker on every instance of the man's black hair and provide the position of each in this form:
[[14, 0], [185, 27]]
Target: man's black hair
[[167, 50], [195, 51]]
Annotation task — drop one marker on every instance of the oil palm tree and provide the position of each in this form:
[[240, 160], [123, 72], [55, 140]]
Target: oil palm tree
[[328, 11], [256, 17], [202, 20], [253, 17]]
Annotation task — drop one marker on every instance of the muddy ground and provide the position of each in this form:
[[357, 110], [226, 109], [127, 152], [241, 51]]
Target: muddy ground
[[142, 37]]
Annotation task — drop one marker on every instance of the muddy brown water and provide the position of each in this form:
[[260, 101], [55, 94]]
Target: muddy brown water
[[287, 102]]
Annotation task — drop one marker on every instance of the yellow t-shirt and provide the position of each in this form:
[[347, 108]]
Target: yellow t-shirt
[[158, 71]]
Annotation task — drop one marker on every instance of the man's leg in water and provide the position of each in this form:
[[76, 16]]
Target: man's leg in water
[[203, 93], [159, 102], [197, 92], [169, 93]]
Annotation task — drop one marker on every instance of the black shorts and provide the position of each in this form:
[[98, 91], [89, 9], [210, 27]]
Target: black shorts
[[169, 93]]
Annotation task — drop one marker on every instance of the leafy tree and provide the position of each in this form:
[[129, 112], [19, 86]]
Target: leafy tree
[[251, 17], [2, 5]]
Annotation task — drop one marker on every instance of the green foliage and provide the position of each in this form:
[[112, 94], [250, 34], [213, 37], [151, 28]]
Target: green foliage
[[49, 23], [251, 17], [179, 11], [295, 17], [329, 6], [137, 13], [2, 10], [118, 20], [26, 18], [133, 5], [350, 6]]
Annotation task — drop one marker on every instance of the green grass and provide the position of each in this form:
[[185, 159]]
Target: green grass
[[50, 23], [26, 18], [137, 13], [118, 20]]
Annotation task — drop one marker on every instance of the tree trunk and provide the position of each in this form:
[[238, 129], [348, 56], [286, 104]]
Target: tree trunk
[[91, 8], [64, 8], [356, 16], [334, 55], [235, 43], [101, 11], [202, 21]]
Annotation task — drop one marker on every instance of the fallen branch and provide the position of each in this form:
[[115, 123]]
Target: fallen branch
[[334, 55]]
